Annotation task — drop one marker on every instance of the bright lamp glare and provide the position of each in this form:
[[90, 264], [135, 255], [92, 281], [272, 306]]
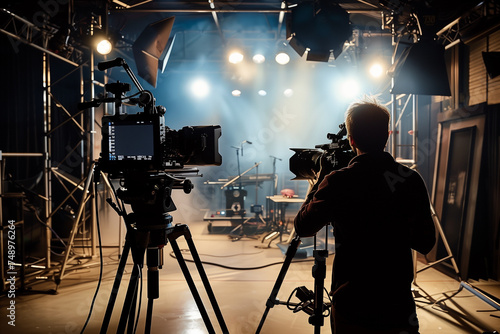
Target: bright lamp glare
[[349, 89], [288, 92], [282, 58], [235, 57], [104, 47], [376, 70], [258, 58], [236, 92], [262, 92], [200, 88]]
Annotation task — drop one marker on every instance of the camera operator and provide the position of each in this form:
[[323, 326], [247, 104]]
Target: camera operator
[[380, 211]]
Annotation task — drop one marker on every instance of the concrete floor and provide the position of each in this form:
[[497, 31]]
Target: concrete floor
[[241, 294]]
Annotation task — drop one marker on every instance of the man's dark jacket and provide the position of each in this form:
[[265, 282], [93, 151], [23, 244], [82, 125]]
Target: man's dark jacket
[[380, 212]]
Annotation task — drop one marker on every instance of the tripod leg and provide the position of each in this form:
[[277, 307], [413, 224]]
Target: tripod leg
[[271, 301], [153, 261], [192, 286], [206, 283], [116, 286], [149, 316], [129, 299], [131, 316], [319, 274], [233, 235]]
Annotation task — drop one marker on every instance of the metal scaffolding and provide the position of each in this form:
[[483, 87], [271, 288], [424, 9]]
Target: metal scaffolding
[[23, 31]]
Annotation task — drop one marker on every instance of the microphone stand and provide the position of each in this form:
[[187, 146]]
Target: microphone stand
[[275, 179], [238, 160]]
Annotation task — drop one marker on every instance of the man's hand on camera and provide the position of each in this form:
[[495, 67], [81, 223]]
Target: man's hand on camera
[[324, 169]]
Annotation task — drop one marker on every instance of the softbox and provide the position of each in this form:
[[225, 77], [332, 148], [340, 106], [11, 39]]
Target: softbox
[[321, 27], [492, 63], [421, 70], [152, 49]]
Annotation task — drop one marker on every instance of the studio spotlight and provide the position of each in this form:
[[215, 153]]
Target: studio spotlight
[[200, 88], [322, 27], [258, 58], [421, 70], [152, 49], [350, 88], [235, 57], [282, 58], [104, 46], [376, 70]]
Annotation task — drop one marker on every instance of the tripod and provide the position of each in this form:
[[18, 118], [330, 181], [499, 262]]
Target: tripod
[[257, 210], [311, 303], [150, 228]]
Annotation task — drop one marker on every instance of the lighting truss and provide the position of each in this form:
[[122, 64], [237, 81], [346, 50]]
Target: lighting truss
[[38, 37], [451, 34]]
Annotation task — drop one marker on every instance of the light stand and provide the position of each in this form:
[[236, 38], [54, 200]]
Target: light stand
[[238, 148], [275, 178]]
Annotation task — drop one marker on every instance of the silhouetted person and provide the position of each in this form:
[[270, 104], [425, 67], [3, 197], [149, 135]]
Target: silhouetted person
[[380, 211]]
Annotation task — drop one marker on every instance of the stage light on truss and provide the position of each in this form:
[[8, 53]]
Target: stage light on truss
[[152, 49], [349, 88], [288, 92], [321, 27], [235, 57], [258, 58], [104, 46], [200, 88], [376, 70], [282, 58]]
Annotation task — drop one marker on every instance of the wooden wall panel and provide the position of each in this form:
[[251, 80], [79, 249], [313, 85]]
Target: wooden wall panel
[[477, 72], [494, 84]]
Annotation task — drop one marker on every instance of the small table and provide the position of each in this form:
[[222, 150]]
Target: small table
[[279, 203]]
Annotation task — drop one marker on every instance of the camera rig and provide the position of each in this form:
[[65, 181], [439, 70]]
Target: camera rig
[[305, 163], [149, 159]]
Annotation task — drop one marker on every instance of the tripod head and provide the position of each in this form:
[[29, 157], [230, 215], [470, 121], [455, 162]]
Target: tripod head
[[149, 195]]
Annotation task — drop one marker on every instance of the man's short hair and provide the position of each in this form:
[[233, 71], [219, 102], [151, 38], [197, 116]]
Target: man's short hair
[[367, 122]]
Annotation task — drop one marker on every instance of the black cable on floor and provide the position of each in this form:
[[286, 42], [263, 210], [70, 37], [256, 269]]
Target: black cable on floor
[[101, 267], [237, 268]]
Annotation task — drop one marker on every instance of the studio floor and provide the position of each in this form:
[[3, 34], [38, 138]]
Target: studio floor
[[241, 295]]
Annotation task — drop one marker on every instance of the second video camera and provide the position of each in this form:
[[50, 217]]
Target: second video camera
[[305, 163]]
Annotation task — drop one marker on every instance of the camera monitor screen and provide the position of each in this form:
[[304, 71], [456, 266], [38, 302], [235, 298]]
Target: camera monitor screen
[[132, 140]]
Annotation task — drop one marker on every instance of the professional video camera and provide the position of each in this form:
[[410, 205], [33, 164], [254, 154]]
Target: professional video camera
[[305, 163], [149, 160], [141, 142]]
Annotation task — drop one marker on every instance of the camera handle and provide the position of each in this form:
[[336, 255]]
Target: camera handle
[[104, 65], [148, 100]]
